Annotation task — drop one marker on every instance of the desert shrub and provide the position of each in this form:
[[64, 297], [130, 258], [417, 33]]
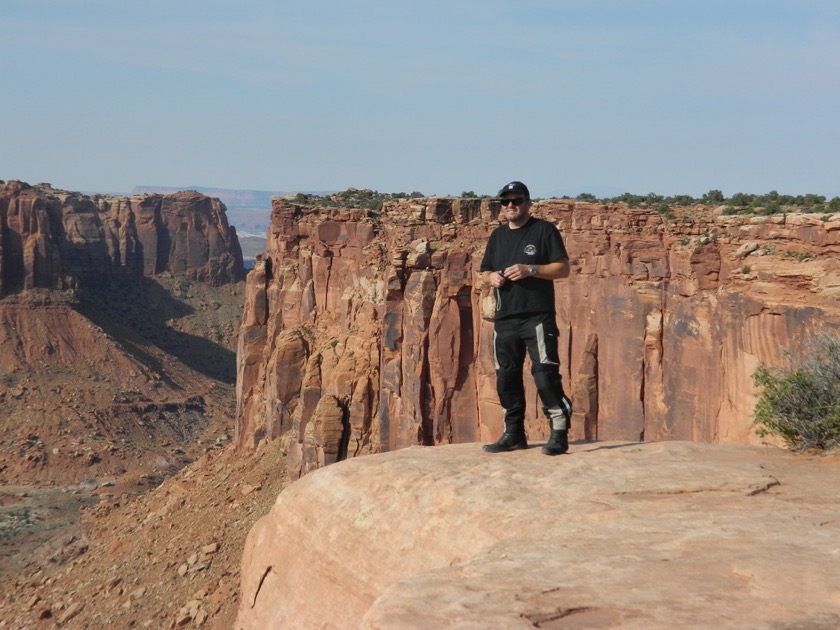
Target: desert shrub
[[741, 199], [771, 207], [681, 200], [630, 199], [714, 196], [801, 404]]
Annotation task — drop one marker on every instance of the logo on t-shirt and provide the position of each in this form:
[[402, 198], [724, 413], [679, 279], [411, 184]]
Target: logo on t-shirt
[[530, 249]]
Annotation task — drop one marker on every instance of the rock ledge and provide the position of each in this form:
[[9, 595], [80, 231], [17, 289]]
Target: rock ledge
[[617, 534]]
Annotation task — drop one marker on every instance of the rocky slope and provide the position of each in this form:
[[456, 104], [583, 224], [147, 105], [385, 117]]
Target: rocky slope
[[614, 535], [167, 558], [118, 326], [362, 331]]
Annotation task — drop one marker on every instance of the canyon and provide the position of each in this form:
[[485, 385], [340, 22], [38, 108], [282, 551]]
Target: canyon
[[362, 332], [146, 385], [118, 326], [118, 320]]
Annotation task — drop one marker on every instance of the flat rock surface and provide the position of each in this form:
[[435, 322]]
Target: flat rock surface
[[615, 534]]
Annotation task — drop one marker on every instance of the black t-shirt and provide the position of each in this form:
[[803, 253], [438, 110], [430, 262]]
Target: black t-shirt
[[537, 242]]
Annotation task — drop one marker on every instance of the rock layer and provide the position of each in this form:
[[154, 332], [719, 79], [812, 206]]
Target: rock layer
[[630, 535], [663, 321]]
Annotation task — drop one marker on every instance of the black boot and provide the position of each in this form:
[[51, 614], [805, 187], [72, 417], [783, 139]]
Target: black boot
[[513, 439], [558, 442]]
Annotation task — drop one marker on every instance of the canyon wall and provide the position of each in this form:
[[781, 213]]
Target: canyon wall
[[56, 239], [362, 332]]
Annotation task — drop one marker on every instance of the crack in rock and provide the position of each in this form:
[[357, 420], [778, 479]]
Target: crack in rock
[[259, 586]]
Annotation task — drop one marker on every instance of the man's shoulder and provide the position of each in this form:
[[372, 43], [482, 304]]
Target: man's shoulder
[[500, 230], [543, 223]]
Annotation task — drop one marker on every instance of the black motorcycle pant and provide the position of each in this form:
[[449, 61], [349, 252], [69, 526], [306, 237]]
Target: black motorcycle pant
[[538, 335]]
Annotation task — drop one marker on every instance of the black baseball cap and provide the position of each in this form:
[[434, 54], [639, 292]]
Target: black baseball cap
[[515, 187]]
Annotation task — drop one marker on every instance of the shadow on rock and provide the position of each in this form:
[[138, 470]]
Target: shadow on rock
[[178, 316]]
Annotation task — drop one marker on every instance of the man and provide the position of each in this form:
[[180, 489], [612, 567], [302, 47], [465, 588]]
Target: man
[[521, 262]]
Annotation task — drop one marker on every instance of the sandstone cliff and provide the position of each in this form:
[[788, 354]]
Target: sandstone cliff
[[616, 535], [56, 239], [363, 334]]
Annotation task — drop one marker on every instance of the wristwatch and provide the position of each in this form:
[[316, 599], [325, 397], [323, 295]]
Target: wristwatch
[[532, 270]]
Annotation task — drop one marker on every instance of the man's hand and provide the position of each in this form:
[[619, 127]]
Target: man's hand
[[495, 279], [517, 272]]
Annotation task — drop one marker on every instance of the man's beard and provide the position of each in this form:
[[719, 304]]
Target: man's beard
[[517, 217]]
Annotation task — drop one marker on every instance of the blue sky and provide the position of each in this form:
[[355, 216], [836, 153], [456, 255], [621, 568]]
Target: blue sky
[[603, 96]]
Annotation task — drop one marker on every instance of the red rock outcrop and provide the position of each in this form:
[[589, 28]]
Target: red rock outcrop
[[56, 239], [663, 322], [617, 535]]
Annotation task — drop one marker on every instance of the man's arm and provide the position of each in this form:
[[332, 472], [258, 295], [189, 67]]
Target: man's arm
[[551, 271], [554, 270]]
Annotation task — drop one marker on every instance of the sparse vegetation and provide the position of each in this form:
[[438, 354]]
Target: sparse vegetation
[[801, 404], [739, 203], [365, 199], [665, 209], [800, 256]]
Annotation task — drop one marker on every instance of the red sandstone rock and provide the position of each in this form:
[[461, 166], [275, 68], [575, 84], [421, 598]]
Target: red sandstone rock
[[662, 321], [107, 373], [615, 535], [56, 239]]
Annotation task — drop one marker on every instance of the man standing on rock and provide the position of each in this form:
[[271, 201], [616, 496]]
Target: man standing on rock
[[521, 262]]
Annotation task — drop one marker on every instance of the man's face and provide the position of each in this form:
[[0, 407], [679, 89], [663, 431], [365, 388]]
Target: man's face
[[516, 207]]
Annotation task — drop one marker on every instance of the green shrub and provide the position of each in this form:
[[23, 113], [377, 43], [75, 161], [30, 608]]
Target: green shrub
[[802, 403], [772, 207], [714, 196]]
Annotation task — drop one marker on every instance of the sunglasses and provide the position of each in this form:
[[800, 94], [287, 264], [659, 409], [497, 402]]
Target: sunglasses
[[516, 201]]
